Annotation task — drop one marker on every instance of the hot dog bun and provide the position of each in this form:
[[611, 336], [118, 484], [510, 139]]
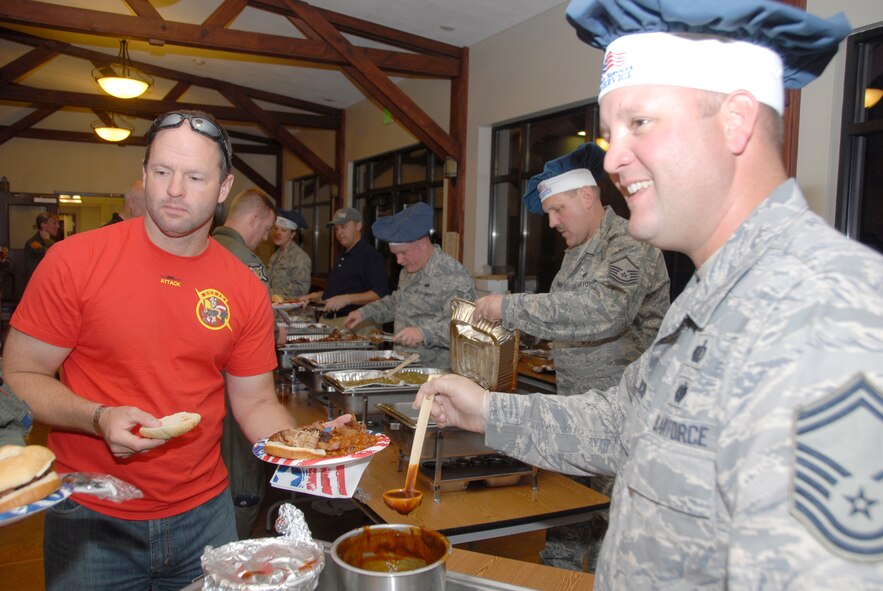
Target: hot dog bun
[[26, 475], [172, 426]]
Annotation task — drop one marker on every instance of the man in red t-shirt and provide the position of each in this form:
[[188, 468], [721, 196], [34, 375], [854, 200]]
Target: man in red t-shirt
[[145, 318]]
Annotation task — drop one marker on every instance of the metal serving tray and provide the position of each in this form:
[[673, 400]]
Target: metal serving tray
[[303, 327], [401, 420], [351, 359], [337, 380], [318, 342], [362, 401], [483, 351]]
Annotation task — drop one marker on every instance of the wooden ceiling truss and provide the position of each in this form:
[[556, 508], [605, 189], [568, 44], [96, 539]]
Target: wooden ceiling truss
[[324, 45]]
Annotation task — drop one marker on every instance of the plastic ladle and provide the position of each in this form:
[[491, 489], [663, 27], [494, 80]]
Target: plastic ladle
[[405, 500]]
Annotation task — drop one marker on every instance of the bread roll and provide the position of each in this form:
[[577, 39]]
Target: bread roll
[[26, 475], [172, 426]]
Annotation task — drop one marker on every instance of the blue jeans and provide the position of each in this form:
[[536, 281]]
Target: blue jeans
[[86, 550]]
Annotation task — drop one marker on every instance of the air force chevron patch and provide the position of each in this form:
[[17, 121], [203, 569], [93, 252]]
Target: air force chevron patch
[[623, 272], [837, 478]]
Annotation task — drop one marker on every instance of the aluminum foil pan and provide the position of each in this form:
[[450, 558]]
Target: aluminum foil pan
[[483, 351], [341, 380], [320, 342], [292, 562], [301, 328], [358, 359]]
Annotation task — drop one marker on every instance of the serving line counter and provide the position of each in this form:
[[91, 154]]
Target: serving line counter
[[471, 514], [472, 571]]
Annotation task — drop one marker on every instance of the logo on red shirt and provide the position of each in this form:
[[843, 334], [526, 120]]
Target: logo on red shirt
[[212, 309]]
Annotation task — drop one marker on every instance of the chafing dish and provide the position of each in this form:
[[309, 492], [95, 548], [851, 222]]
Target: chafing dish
[[358, 359], [483, 351], [455, 457], [317, 342], [304, 327], [363, 399]]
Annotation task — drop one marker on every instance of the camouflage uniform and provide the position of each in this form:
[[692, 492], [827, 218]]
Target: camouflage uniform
[[746, 452], [35, 250], [423, 299], [290, 272], [232, 241], [246, 472], [603, 310]]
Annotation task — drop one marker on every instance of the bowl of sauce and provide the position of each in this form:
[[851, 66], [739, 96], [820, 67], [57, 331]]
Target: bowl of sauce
[[390, 557]]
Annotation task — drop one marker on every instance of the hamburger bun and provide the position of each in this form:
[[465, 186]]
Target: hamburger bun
[[172, 426], [280, 450], [26, 475]]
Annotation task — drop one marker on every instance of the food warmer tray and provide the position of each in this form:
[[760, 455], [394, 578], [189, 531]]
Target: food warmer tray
[[328, 580], [318, 342], [400, 421], [301, 327], [363, 400], [324, 361]]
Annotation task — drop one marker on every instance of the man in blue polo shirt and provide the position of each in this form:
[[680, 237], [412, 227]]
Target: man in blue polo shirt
[[359, 274]]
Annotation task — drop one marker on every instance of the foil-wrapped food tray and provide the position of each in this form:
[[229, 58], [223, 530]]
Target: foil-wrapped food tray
[[481, 350], [351, 359], [343, 381]]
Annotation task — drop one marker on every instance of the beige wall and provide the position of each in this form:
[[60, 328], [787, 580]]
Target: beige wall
[[41, 166]]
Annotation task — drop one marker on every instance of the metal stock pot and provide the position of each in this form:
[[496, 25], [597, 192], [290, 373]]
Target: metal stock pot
[[365, 557]]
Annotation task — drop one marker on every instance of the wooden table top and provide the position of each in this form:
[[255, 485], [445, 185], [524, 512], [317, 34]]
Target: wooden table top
[[472, 510], [516, 572], [524, 368]]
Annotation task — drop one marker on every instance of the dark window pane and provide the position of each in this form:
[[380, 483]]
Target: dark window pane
[[414, 166], [507, 152], [382, 172], [871, 198]]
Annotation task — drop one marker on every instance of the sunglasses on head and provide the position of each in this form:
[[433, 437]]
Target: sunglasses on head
[[200, 125]]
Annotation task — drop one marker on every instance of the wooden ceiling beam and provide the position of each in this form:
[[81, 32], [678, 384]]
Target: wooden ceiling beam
[[98, 58], [368, 30], [144, 9], [288, 140], [378, 85], [24, 64], [24, 124], [95, 22], [225, 14], [256, 177], [149, 109]]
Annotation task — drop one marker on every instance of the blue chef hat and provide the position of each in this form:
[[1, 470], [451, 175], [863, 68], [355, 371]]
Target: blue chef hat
[[803, 43], [291, 219], [408, 225], [561, 175]]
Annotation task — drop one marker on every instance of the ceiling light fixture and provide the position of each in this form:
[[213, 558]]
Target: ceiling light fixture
[[602, 143], [872, 97], [120, 78], [114, 132]]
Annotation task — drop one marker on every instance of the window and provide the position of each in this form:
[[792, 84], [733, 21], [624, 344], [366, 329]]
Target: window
[[311, 196], [522, 245], [387, 183], [859, 212]]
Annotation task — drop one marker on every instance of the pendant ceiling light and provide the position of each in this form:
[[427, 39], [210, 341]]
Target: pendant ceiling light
[[872, 97], [114, 132], [120, 78]]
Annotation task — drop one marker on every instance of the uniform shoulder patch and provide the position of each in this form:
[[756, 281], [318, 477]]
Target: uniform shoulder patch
[[623, 272], [837, 470], [260, 271]]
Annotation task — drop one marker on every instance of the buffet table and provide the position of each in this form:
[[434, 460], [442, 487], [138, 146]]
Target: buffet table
[[472, 514]]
